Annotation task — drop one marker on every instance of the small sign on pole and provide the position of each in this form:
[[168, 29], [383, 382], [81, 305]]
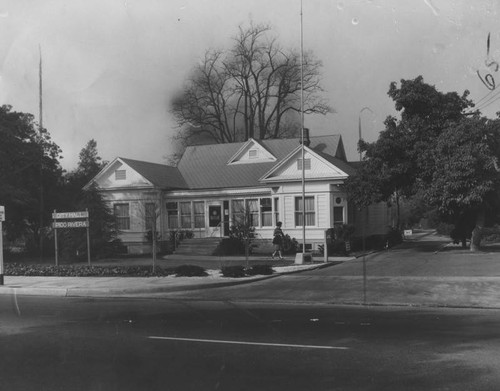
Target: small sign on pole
[[82, 221]]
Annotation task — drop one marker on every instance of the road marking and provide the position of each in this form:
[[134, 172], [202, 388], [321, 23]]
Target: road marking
[[250, 343], [18, 310]]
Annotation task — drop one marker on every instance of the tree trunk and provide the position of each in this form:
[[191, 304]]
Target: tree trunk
[[477, 232]]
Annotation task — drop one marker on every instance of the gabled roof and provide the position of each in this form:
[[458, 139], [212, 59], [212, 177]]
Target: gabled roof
[[213, 166], [205, 166], [323, 166], [262, 155], [160, 175]]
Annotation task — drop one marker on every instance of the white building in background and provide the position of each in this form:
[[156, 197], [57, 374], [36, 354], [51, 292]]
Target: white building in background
[[213, 184]]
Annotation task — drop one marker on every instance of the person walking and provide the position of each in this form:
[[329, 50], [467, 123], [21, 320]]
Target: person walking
[[278, 239]]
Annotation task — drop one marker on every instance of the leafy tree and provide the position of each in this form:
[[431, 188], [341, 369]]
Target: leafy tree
[[433, 153], [465, 184], [30, 175], [103, 232], [250, 90], [89, 164]]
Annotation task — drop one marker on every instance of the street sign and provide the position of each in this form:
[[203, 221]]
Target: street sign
[[70, 215], [70, 224], [2, 213], [71, 220]]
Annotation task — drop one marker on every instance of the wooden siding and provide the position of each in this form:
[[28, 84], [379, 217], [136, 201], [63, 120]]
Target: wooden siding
[[319, 169], [322, 211], [132, 178], [288, 213]]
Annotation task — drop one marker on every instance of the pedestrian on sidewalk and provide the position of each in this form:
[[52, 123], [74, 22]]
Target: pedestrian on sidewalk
[[278, 240]]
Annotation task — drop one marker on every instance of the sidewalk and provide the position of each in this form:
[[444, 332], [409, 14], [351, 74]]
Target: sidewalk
[[119, 286]]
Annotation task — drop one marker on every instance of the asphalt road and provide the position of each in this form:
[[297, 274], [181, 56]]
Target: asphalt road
[[177, 344]]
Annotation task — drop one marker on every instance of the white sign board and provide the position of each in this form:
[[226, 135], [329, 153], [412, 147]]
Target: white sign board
[[70, 224], [70, 215], [2, 213]]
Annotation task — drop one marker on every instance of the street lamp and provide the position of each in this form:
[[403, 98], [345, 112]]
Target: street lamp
[[359, 126]]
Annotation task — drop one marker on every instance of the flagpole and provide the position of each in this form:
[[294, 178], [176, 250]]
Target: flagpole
[[40, 129], [302, 133]]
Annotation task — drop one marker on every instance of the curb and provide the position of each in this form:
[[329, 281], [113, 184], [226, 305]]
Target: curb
[[103, 292]]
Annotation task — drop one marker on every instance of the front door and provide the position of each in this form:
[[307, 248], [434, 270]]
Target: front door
[[215, 220], [226, 219]]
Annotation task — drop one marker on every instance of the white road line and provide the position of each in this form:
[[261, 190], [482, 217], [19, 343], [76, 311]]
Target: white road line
[[18, 310], [250, 343]]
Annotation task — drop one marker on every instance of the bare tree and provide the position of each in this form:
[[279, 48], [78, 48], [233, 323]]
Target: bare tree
[[249, 91]]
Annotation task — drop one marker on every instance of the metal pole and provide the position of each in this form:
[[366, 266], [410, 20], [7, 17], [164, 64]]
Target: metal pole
[[1, 254], [55, 241], [302, 133], [363, 210], [88, 237]]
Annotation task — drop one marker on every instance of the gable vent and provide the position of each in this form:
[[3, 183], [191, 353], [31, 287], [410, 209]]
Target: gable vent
[[120, 175]]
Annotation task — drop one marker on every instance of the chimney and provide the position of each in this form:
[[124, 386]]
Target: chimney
[[306, 140]]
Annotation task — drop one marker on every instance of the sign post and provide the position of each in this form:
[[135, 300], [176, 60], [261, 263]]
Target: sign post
[[71, 220], [2, 218]]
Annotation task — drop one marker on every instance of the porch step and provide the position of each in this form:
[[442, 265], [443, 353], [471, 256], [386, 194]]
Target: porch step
[[198, 246]]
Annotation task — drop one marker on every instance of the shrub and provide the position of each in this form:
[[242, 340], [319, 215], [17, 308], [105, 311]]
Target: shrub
[[190, 271], [290, 245], [260, 270], [230, 246], [233, 271], [16, 269], [337, 247]]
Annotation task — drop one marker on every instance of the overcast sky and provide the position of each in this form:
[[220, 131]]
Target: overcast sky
[[110, 67]]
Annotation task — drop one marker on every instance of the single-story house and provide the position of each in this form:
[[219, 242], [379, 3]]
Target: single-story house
[[214, 185]]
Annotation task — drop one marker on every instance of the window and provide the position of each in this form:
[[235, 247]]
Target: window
[[338, 215], [266, 212], [253, 212], [309, 212], [185, 214], [120, 175], [172, 214], [238, 211], [122, 216], [276, 210], [150, 217], [199, 214], [307, 164]]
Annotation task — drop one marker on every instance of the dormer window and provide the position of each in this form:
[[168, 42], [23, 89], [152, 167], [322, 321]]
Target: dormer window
[[307, 164], [253, 153], [120, 175]]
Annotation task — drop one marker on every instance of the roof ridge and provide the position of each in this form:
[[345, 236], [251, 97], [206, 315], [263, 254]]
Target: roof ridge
[[144, 161]]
